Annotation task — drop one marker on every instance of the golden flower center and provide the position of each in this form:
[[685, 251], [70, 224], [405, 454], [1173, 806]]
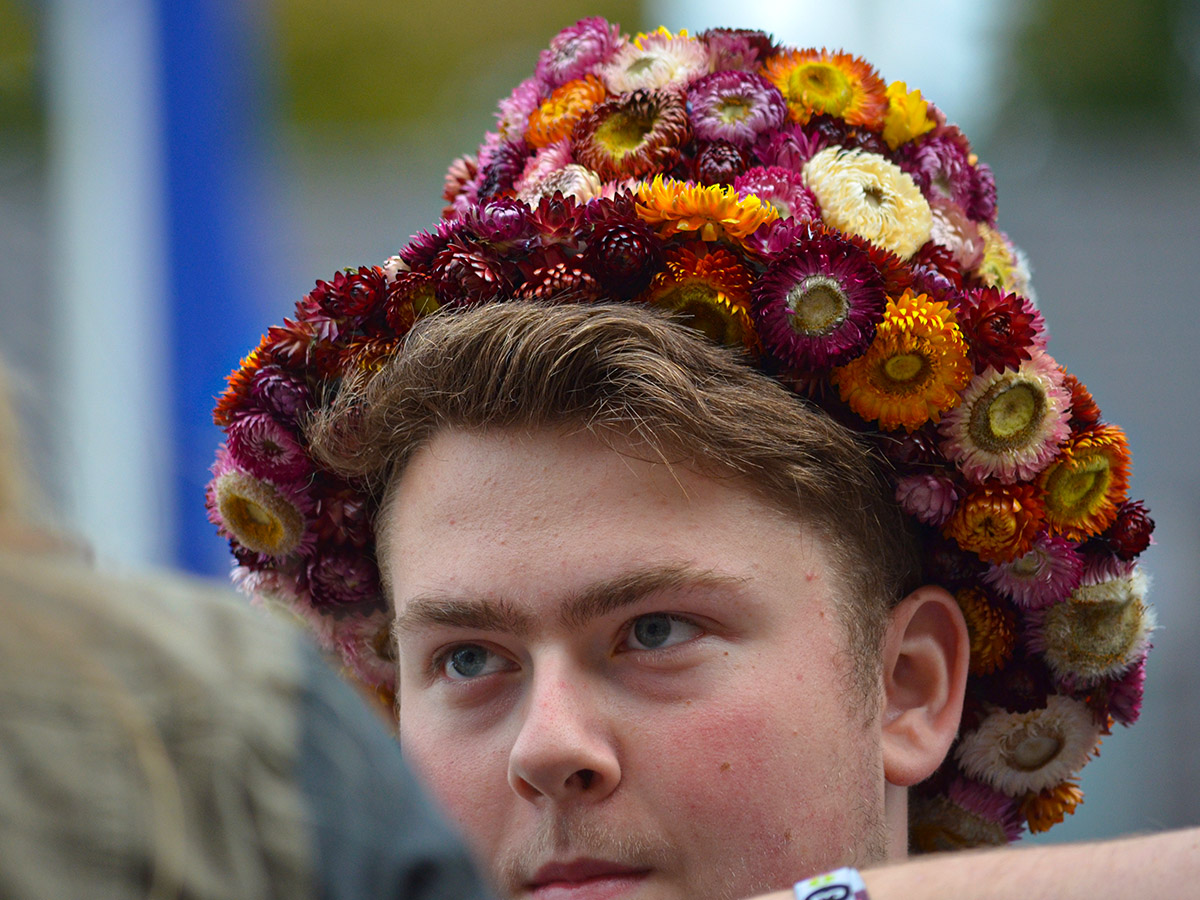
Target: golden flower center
[[245, 517], [904, 367], [623, 132], [701, 305], [818, 305], [1034, 751], [1007, 416]]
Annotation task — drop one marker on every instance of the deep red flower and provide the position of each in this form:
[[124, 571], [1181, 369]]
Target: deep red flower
[[1131, 532], [624, 256], [1001, 329], [719, 162]]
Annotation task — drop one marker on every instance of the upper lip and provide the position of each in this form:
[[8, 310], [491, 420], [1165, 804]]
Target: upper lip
[[580, 870]]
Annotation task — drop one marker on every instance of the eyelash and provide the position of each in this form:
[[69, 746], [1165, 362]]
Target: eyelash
[[439, 661]]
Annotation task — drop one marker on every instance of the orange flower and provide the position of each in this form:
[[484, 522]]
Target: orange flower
[[816, 82], [1048, 808], [710, 212], [239, 387], [996, 522], [710, 289], [556, 117], [1086, 483], [992, 630], [913, 370]]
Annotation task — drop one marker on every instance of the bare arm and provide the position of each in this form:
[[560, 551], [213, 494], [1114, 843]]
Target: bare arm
[[1159, 865]]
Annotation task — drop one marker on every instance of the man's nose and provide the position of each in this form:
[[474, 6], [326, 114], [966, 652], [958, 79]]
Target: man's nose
[[564, 749]]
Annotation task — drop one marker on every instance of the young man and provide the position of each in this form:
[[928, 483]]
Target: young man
[[640, 533]]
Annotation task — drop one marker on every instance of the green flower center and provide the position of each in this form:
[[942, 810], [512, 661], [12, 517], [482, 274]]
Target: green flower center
[[733, 109], [818, 305], [1078, 486], [904, 367], [822, 86], [874, 195], [1035, 751], [1008, 415], [1092, 638]]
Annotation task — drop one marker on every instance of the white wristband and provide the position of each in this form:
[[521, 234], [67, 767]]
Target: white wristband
[[841, 884]]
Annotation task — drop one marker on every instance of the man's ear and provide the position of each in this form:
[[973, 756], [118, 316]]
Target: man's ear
[[925, 659]]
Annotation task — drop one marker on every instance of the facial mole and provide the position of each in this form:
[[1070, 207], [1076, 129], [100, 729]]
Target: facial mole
[[725, 767]]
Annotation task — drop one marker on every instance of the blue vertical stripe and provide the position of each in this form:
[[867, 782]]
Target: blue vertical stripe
[[211, 101]]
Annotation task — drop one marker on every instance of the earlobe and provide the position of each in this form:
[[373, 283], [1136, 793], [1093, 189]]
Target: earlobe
[[925, 657]]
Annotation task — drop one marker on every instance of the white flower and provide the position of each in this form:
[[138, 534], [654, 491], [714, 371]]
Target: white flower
[[864, 194]]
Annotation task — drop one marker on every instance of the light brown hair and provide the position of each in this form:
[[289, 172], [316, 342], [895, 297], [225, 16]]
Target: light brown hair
[[631, 373]]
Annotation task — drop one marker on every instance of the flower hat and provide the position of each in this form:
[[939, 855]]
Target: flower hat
[[840, 230]]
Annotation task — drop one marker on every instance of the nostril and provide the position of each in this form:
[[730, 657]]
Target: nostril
[[586, 777]]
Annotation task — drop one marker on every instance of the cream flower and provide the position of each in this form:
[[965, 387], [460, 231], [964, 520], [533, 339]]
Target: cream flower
[[1021, 752], [1099, 632], [864, 194]]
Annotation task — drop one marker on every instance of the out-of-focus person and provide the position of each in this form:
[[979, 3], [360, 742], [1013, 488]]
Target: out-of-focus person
[[160, 739]]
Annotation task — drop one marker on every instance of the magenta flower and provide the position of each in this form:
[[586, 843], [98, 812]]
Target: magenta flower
[[790, 147], [1048, 573], [515, 109], [783, 188], [577, 50], [1125, 694], [987, 803], [742, 49], [735, 107], [817, 305], [266, 449], [930, 498]]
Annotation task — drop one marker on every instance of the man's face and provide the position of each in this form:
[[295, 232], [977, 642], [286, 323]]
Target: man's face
[[622, 679]]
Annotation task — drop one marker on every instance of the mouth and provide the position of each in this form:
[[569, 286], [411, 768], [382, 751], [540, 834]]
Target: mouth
[[585, 879]]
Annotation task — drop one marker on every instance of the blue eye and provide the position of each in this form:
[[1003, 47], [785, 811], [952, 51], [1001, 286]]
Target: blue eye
[[470, 661], [658, 630]]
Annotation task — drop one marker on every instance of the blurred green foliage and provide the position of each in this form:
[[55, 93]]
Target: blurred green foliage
[[20, 107], [383, 63], [1106, 62]]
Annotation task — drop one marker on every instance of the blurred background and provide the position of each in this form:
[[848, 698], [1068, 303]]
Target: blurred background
[[175, 174]]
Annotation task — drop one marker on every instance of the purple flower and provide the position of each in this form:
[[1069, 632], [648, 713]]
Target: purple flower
[[817, 305], [577, 50], [941, 167], [783, 188], [1125, 694], [279, 393], [929, 498], [735, 107], [504, 224]]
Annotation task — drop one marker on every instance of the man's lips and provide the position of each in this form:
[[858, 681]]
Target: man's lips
[[593, 879]]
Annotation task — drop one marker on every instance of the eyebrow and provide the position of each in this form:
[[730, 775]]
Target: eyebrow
[[592, 602]]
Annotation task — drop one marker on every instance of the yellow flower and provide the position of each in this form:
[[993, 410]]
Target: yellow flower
[[907, 115], [1003, 266], [711, 212], [913, 370], [864, 194]]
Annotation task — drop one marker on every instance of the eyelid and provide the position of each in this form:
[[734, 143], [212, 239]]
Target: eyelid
[[436, 670], [627, 632]]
